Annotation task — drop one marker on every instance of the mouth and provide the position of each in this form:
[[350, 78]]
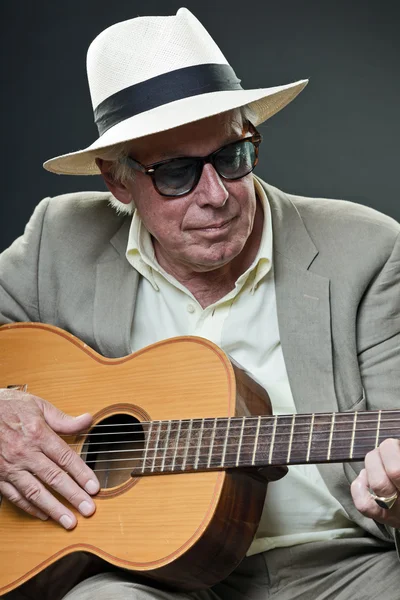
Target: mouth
[[215, 226]]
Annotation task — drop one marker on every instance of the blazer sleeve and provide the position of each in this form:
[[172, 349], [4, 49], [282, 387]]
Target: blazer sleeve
[[378, 336], [379, 345], [19, 272]]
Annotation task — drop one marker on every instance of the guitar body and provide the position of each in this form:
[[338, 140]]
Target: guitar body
[[186, 530]]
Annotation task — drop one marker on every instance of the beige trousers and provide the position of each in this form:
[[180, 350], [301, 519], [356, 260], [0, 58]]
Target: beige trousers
[[360, 568], [350, 569]]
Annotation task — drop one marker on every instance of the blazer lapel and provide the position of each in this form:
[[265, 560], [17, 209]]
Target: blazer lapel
[[115, 296], [303, 305]]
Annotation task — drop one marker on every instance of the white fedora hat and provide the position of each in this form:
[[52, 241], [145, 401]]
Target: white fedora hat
[[151, 74]]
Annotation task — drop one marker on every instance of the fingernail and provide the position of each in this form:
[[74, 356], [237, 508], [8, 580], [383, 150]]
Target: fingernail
[[82, 415], [42, 516], [92, 487], [66, 522], [86, 508]]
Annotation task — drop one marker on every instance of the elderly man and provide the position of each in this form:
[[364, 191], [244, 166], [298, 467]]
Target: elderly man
[[304, 293]]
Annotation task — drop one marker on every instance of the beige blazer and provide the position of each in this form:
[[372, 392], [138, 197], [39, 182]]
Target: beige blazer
[[337, 269]]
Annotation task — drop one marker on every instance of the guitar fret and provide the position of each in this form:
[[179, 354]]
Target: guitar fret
[[353, 434], [240, 442], [256, 441], [187, 446], [331, 436], [310, 437], [176, 445], [212, 443], [271, 448], [166, 445], [291, 439], [196, 462], [156, 446], [378, 429], [149, 431], [225, 442]]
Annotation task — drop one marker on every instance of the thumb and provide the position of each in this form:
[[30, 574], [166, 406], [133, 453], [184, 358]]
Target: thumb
[[61, 422]]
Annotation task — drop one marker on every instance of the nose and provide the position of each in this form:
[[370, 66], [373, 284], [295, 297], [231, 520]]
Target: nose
[[210, 189]]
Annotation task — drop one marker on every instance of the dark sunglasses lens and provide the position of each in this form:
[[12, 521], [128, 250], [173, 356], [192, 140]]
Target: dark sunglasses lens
[[236, 160], [177, 177]]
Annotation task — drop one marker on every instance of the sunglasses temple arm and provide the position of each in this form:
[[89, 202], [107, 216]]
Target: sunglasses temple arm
[[133, 164]]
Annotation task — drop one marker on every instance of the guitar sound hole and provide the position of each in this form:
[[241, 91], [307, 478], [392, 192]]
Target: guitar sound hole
[[113, 448]]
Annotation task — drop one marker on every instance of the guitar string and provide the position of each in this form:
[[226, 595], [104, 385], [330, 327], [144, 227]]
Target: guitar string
[[153, 459], [328, 424], [318, 437], [277, 443], [244, 448], [338, 415], [277, 461]]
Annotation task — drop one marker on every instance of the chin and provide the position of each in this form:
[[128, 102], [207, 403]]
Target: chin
[[210, 263]]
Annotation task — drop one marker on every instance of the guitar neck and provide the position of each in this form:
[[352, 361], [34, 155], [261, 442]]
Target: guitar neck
[[225, 443]]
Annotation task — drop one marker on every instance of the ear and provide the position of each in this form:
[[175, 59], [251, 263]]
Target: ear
[[117, 189]]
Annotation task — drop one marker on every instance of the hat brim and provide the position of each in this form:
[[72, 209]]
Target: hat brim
[[264, 103]]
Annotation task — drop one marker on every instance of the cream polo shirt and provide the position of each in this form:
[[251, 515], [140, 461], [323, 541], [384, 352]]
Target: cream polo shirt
[[244, 323]]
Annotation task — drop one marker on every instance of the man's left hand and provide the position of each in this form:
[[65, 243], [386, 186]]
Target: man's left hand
[[381, 476]]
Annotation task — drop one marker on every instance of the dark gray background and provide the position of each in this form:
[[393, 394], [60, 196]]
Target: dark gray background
[[340, 137]]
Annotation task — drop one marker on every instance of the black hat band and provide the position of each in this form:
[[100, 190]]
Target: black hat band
[[163, 89]]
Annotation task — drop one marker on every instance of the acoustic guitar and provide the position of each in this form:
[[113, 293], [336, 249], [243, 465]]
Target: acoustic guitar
[[179, 433]]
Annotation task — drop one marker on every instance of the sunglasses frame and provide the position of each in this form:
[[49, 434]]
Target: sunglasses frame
[[150, 170]]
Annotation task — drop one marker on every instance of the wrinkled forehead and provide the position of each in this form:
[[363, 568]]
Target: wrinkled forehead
[[194, 139]]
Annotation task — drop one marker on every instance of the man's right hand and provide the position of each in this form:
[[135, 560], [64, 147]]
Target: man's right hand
[[32, 454]]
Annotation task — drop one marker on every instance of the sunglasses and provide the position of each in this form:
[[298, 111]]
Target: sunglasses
[[179, 176]]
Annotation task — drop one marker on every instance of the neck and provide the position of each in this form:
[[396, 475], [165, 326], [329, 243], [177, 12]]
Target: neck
[[222, 443]]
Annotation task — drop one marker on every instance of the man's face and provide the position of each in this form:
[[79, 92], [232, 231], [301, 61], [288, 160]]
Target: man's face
[[208, 227]]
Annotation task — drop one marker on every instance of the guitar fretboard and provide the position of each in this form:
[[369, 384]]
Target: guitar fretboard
[[222, 443]]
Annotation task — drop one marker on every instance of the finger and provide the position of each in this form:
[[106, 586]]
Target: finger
[[363, 500], [62, 455], [13, 495], [57, 479], [378, 479], [390, 455], [60, 422], [35, 493]]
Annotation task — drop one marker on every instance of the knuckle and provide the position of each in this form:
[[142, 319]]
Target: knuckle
[[73, 497], [363, 506], [66, 458], [393, 472], [388, 443], [54, 512], [13, 477], [4, 470], [23, 505], [354, 486], [53, 477], [15, 498], [35, 428], [80, 473], [32, 493], [380, 486], [13, 453], [370, 455]]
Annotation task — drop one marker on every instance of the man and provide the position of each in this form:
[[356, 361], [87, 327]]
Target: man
[[303, 293]]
